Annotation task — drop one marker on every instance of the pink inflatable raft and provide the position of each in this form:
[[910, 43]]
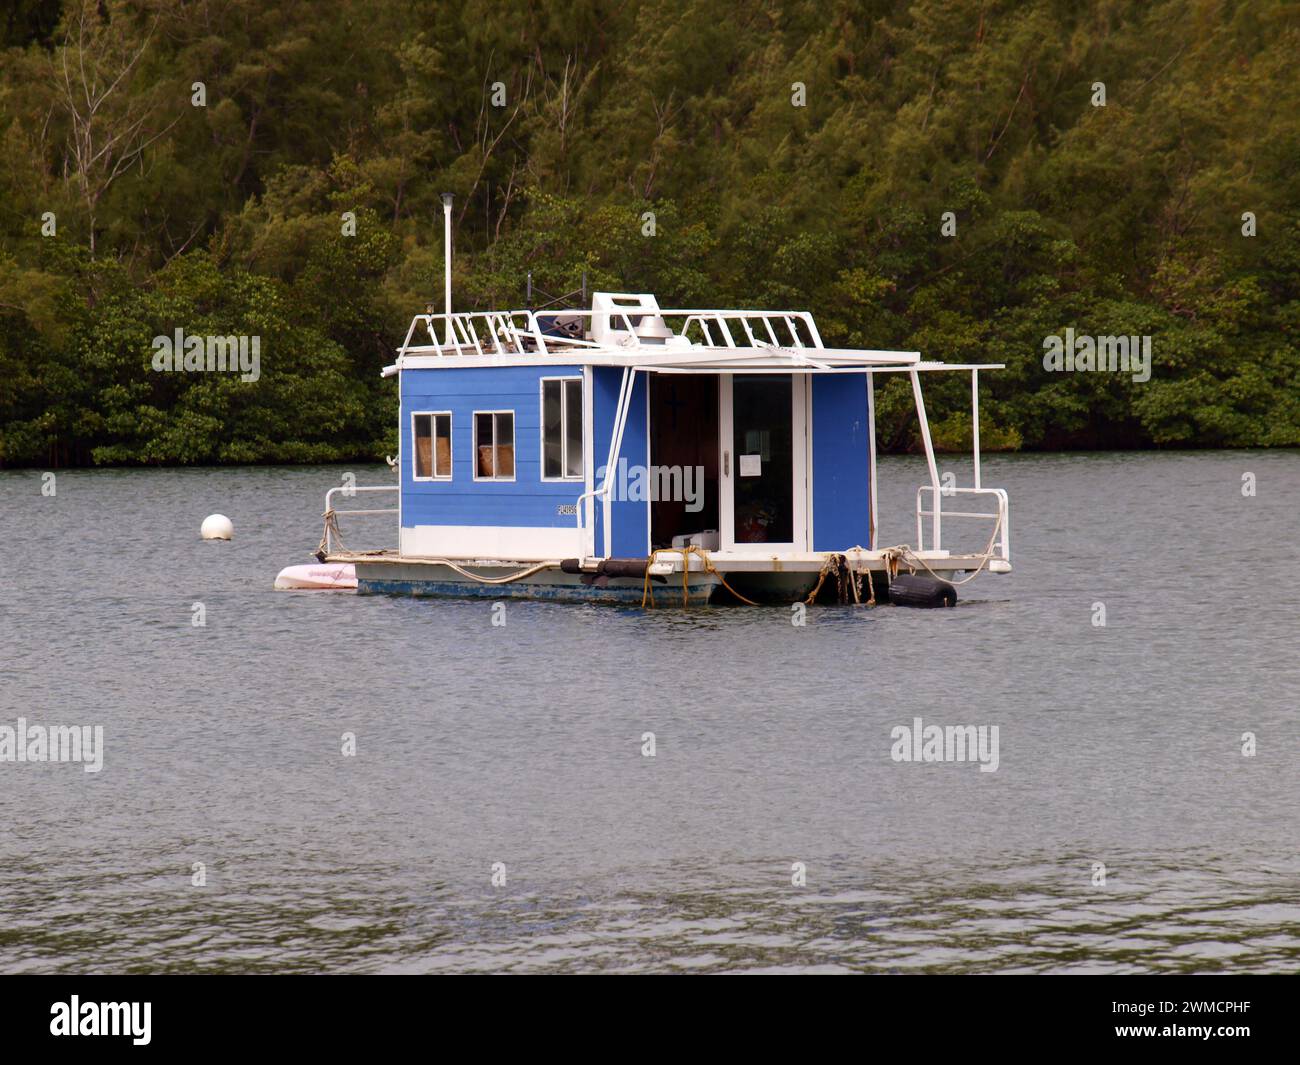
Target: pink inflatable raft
[[320, 577]]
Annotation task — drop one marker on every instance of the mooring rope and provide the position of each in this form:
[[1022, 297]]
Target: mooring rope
[[492, 580], [708, 565], [331, 526], [647, 592], [838, 564], [858, 549], [827, 564], [830, 565]]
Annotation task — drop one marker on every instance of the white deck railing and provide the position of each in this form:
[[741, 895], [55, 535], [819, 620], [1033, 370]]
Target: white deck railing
[[332, 515], [1000, 534]]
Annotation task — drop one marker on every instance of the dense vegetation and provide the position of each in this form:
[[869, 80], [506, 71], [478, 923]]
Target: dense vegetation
[[227, 218]]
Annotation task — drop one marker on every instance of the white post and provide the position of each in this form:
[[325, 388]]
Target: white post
[[929, 456], [446, 257], [615, 446], [975, 421], [871, 454]]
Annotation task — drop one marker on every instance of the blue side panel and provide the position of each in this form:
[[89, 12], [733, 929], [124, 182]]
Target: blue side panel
[[841, 492], [527, 501], [630, 519]]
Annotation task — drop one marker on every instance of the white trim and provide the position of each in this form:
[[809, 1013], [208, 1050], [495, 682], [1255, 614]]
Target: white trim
[[649, 466], [517, 542], [626, 391], [800, 437], [726, 493], [433, 457], [801, 457], [929, 457], [711, 360], [873, 524], [401, 487], [564, 428], [808, 540], [588, 517], [514, 443]]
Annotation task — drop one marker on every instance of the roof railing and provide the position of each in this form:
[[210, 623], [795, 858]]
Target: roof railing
[[472, 332], [521, 332], [747, 320]]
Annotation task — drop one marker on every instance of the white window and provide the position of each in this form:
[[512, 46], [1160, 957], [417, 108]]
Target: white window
[[494, 445], [431, 436], [562, 429]]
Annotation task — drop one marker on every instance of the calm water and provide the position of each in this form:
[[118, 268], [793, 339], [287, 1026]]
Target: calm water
[[522, 745]]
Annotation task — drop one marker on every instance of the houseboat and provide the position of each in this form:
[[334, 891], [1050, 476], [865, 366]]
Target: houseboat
[[630, 453]]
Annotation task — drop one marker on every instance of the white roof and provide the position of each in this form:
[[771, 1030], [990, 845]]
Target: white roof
[[713, 359]]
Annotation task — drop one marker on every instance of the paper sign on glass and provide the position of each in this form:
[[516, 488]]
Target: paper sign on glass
[[751, 465]]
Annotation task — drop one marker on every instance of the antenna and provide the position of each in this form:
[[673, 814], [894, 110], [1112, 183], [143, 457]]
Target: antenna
[[446, 257]]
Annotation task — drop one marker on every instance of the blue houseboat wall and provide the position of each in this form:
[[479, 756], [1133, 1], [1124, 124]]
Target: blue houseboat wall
[[629, 519], [527, 517], [841, 505], [524, 517]]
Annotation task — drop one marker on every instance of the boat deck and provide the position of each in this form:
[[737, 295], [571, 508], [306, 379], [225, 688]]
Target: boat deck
[[668, 561]]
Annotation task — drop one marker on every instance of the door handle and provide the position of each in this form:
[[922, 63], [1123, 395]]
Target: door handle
[[726, 464]]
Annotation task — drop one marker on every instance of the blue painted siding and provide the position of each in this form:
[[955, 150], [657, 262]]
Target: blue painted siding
[[841, 500], [631, 520], [841, 506], [527, 501]]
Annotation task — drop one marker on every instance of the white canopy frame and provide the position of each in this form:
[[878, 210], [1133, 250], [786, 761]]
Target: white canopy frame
[[733, 366]]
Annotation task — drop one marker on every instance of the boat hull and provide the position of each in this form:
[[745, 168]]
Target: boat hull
[[338, 576], [770, 580], [443, 581]]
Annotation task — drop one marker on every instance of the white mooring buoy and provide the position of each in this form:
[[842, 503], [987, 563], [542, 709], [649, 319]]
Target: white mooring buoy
[[217, 527]]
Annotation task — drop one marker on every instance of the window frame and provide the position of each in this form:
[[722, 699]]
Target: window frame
[[514, 443], [564, 433], [433, 457]]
